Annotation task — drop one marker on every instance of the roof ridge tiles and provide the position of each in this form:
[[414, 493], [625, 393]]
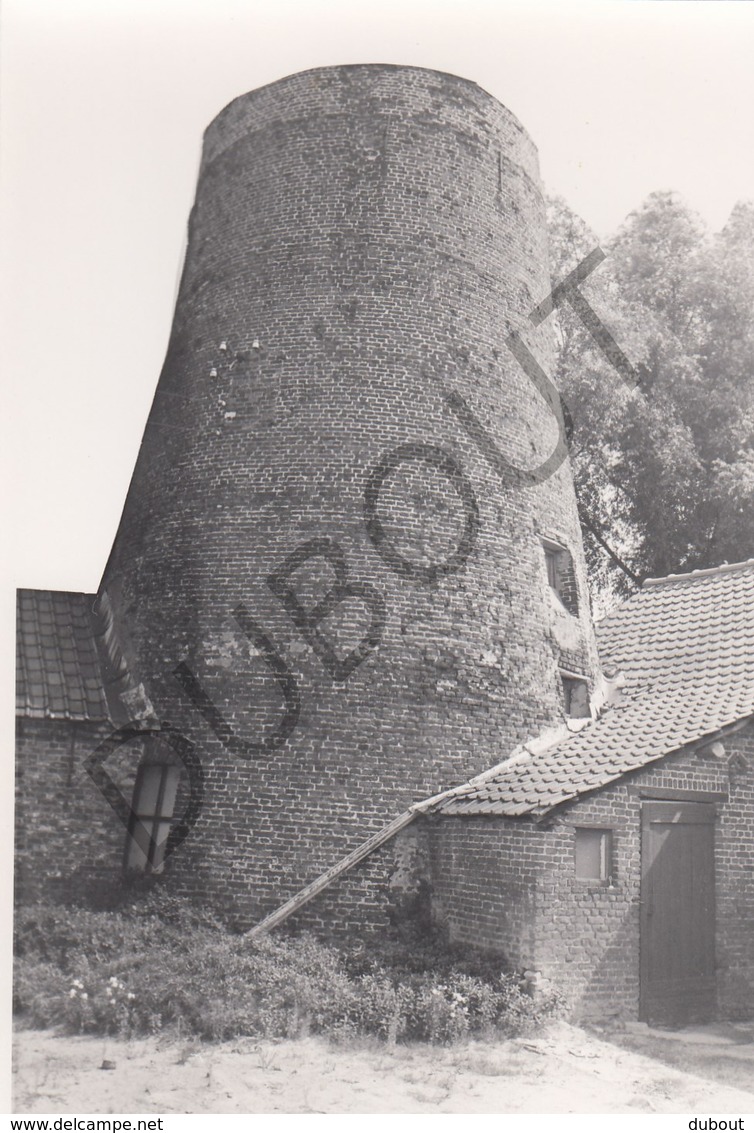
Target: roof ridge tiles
[[723, 568]]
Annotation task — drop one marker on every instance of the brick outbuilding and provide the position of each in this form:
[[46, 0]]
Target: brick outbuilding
[[618, 862]]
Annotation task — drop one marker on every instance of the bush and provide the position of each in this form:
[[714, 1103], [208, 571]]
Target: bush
[[151, 968]]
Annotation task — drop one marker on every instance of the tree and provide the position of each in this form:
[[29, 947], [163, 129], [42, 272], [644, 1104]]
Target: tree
[[664, 467]]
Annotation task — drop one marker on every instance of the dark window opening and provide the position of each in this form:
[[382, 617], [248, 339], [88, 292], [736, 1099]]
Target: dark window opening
[[593, 852], [575, 697], [151, 816], [551, 559]]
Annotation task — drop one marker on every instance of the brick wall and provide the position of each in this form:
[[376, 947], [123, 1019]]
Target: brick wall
[[509, 885], [735, 881], [69, 842], [361, 235]]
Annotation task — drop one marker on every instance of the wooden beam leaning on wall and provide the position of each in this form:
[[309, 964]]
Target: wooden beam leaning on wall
[[350, 860], [309, 891]]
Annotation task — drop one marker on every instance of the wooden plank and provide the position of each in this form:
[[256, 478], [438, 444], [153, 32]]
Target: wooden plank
[[677, 912], [672, 795], [315, 887]]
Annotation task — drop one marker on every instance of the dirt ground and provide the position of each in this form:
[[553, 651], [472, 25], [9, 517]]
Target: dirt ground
[[563, 1070]]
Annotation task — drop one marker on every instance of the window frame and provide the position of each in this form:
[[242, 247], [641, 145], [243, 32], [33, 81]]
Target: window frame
[[155, 852], [552, 552], [551, 565], [559, 569], [606, 850], [567, 681]]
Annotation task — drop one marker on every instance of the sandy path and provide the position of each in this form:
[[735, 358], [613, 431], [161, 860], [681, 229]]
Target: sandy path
[[563, 1071]]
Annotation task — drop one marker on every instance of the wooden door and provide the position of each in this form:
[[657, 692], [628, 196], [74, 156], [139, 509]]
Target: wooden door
[[678, 913]]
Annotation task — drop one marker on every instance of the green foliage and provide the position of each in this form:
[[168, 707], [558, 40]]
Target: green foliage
[[66, 936], [664, 467], [131, 973]]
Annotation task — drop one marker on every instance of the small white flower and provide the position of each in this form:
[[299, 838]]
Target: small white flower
[[84, 995], [131, 995], [113, 981], [72, 993]]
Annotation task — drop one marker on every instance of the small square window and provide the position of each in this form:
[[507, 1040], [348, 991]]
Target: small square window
[[576, 697], [593, 851]]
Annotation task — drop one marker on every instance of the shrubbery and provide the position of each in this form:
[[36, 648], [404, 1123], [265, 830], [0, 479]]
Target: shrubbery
[[153, 968]]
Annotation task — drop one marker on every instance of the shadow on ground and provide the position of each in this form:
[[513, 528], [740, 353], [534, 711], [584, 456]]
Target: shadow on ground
[[719, 1052]]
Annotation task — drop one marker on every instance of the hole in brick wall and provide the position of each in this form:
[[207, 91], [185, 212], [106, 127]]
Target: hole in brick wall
[[561, 576], [575, 696]]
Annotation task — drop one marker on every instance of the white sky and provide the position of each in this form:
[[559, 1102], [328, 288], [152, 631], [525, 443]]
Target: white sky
[[103, 106]]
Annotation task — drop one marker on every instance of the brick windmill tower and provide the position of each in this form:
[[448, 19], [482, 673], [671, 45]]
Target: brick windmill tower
[[321, 578]]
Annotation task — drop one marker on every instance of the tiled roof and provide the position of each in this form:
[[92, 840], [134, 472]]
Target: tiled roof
[[57, 669], [685, 644]]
